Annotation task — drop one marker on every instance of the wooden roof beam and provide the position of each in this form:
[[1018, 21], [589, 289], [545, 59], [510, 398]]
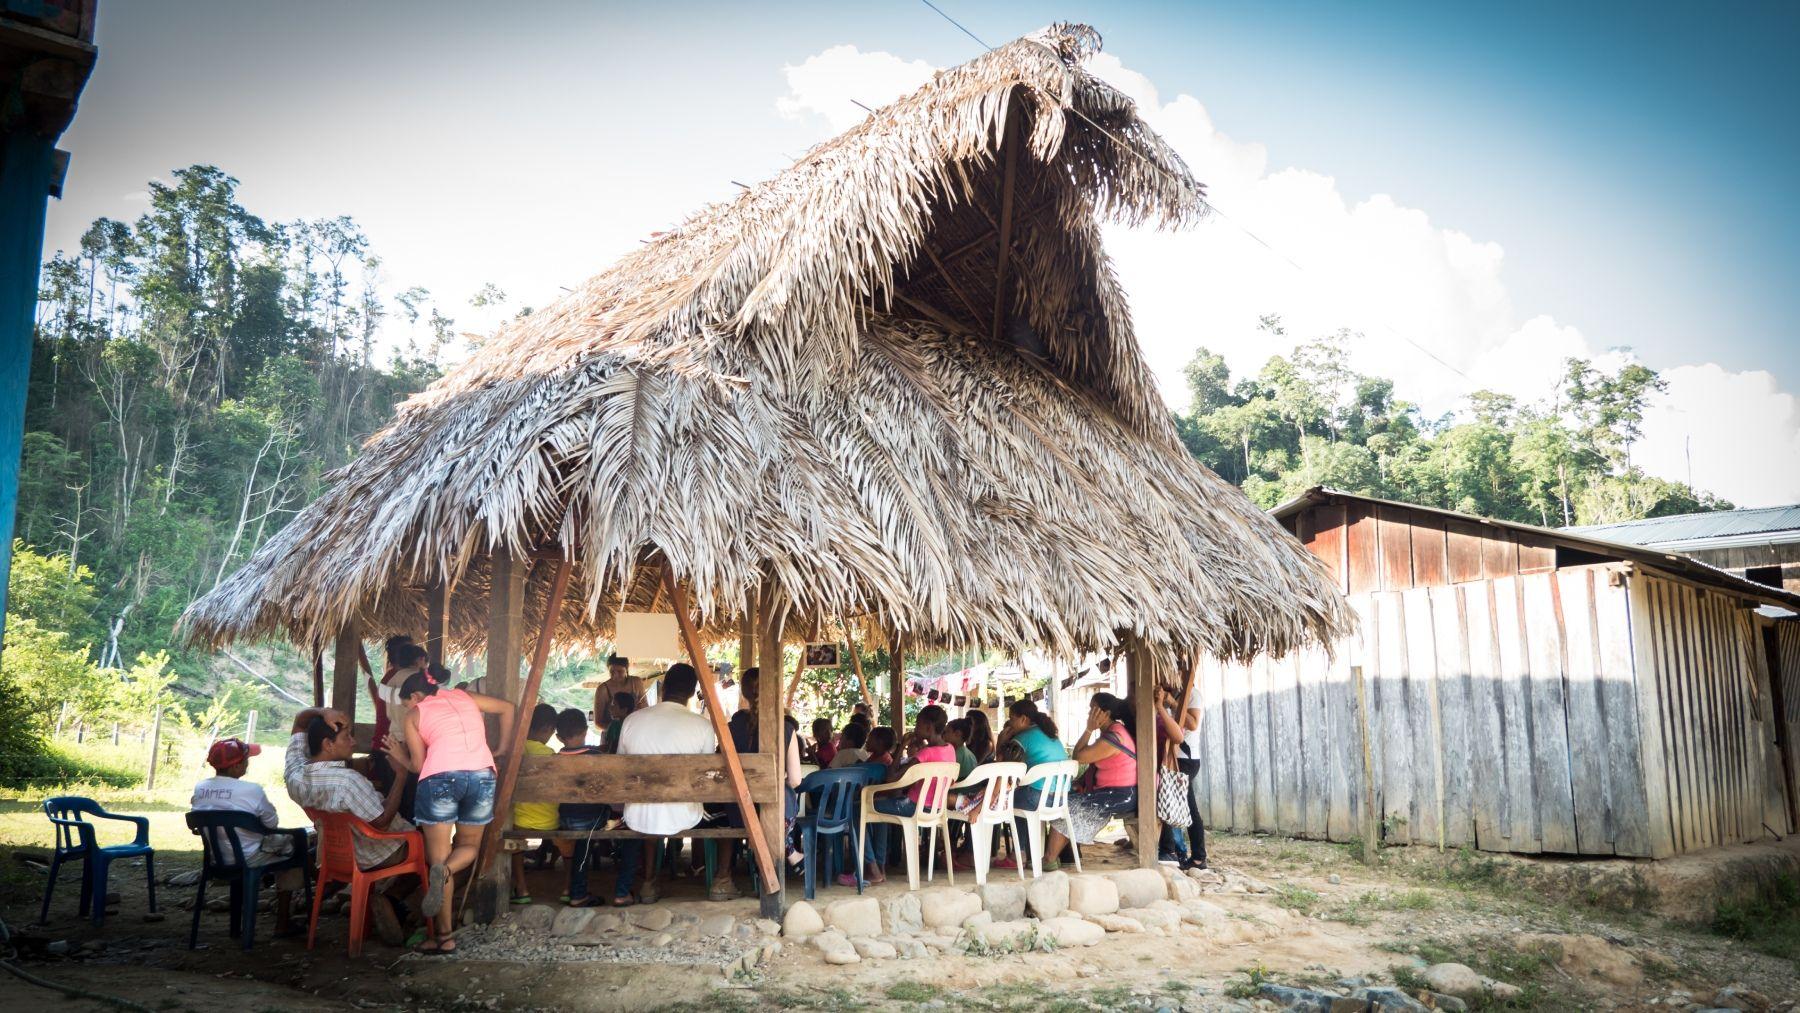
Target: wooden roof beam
[[1009, 176]]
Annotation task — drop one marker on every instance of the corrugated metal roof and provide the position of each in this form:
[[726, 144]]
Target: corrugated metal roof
[[1688, 527]]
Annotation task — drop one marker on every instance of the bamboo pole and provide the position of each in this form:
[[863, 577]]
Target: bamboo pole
[[734, 767], [861, 680], [509, 773]]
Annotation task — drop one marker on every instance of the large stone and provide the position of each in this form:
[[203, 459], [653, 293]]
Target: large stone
[[1201, 912], [1462, 981], [1012, 934], [651, 919], [1140, 887], [1154, 918], [947, 907], [571, 920], [900, 914], [536, 918], [1117, 923], [801, 920], [874, 949], [1289, 997], [1179, 886], [1093, 895], [716, 926], [836, 947], [908, 947], [1387, 999], [857, 916], [1068, 931], [1048, 896], [1742, 997], [1004, 900]]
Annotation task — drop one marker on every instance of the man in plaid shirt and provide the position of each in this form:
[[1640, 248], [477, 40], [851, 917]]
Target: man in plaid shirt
[[318, 776]]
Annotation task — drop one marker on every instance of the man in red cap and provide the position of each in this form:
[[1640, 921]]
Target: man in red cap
[[227, 790]]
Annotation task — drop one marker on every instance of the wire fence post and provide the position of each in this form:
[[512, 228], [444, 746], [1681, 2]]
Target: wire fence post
[[62, 715], [155, 748], [250, 728], [115, 733]]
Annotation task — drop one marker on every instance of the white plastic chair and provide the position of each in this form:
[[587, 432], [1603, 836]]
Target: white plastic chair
[[996, 809], [934, 802], [1053, 804]]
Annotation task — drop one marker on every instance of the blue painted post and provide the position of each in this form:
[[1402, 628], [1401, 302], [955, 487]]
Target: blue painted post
[[24, 190]]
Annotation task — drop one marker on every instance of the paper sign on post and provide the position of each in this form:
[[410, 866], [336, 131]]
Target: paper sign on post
[[645, 635]]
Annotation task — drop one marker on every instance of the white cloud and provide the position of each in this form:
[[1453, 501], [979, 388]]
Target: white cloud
[[1372, 265], [826, 83]]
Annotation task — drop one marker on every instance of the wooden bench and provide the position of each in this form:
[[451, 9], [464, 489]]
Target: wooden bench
[[626, 834]]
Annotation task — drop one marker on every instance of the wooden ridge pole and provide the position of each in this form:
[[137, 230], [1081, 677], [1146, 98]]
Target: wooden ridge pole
[[861, 680], [709, 688], [509, 772]]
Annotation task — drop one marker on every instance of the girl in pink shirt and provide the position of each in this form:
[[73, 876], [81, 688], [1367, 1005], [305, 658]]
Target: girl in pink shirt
[[1107, 746], [446, 741], [928, 747]]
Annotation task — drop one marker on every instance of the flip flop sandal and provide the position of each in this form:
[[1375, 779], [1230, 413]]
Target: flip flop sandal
[[589, 901], [521, 900], [625, 901]]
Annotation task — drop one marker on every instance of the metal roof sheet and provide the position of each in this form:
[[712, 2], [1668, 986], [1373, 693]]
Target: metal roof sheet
[[1688, 527]]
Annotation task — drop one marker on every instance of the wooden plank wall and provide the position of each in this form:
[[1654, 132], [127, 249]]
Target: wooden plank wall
[[1377, 546], [1787, 669], [1503, 715], [1712, 765]]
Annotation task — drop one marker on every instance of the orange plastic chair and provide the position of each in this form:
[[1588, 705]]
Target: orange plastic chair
[[337, 864]]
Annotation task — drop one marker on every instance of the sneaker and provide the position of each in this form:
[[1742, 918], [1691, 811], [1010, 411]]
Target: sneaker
[[387, 921]]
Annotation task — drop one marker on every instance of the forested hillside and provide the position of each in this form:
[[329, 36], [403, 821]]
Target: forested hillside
[[195, 375], [1308, 419]]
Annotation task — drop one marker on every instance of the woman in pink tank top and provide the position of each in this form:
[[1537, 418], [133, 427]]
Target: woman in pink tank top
[[446, 741]]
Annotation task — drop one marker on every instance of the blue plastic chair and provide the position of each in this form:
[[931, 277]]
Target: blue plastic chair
[[831, 813], [75, 841], [222, 852]]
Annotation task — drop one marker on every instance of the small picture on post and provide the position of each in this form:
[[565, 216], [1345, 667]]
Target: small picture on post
[[821, 655]]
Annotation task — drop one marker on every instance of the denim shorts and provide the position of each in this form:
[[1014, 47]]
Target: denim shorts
[[456, 796]]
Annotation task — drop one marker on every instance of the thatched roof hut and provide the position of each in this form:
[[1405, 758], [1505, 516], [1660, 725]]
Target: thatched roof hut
[[898, 381]]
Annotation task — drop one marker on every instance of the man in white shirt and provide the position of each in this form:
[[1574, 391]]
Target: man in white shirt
[[668, 727], [227, 791]]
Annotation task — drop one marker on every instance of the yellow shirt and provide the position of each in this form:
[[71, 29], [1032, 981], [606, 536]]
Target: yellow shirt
[[535, 815]]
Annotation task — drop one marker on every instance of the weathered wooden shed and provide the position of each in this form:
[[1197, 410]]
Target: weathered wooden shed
[[1523, 690]]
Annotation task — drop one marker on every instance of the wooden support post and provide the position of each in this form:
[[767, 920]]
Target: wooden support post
[[155, 748], [772, 615], [862, 681], [491, 892], [437, 619], [896, 686], [1143, 691], [734, 768], [506, 625], [318, 676], [1371, 822], [345, 667], [747, 630]]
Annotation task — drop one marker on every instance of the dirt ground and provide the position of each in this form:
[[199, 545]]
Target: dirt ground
[[1597, 935]]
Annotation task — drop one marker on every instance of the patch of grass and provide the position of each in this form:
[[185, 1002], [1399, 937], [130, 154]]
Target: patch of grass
[[1407, 977], [1296, 898], [908, 990], [1768, 919], [1252, 981], [1494, 956]]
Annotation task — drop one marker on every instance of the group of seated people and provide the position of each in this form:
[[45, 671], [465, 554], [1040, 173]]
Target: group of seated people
[[431, 769]]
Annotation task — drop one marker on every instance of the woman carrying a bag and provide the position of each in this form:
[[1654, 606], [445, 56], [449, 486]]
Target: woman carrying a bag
[[1109, 788], [1183, 839]]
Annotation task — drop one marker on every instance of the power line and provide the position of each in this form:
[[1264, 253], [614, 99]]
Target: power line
[[1209, 205]]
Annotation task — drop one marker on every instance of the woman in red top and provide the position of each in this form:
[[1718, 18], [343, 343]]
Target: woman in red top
[[1107, 746]]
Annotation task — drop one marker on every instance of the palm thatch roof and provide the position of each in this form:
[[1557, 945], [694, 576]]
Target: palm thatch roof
[[898, 380]]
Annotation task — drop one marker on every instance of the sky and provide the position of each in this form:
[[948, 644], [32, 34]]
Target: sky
[[1479, 191]]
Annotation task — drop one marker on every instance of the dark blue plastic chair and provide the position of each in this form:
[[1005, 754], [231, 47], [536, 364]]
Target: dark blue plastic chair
[[222, 857], [831, 813], [75, 842]]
